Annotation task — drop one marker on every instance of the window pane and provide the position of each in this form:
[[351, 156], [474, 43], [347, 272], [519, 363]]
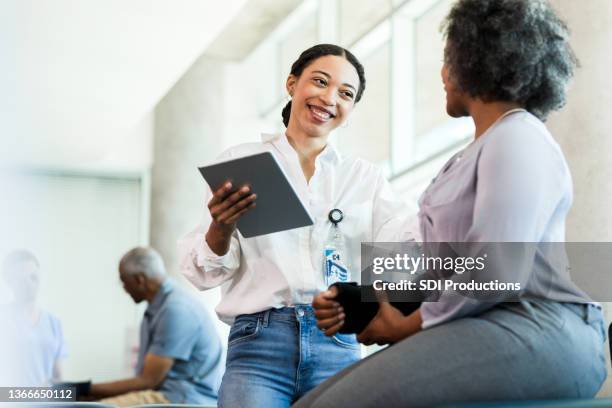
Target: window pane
[[368, 133], [263, 65], [359, 16], [430, 97], [290, 48]]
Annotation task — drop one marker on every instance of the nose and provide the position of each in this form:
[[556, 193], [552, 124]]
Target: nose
[[329, 97]]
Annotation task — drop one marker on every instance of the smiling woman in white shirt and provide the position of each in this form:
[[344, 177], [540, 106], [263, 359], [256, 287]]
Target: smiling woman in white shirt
[[276, 353]]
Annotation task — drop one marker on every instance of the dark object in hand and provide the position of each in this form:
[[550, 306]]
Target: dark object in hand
[[358, 312], [82, 388]]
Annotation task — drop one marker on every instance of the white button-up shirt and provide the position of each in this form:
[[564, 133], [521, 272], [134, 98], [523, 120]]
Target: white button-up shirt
[[286, 268]]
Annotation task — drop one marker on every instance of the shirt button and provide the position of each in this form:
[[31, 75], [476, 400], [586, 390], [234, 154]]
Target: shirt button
[[300, 312]]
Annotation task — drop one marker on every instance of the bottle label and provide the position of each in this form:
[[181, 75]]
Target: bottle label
[[335, 268]]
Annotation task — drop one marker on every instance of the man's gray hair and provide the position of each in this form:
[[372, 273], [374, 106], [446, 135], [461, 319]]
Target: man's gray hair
[[143, 260]]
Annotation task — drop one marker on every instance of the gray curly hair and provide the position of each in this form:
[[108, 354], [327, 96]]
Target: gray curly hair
[[510, 50]]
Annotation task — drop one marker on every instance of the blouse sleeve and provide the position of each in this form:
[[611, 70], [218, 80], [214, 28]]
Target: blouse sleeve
[[198, 263]]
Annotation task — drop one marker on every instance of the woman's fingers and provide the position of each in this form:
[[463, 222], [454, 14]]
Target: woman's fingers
[[329, 313], [223, 200], [229, 215], [321, 314], [235, 217], [326, 324], [324, 300], [331, 292], [320, 302], [220, 194], [334, 329]]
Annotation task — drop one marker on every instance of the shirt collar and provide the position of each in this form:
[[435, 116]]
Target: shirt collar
[[280, 141], [158, 300]]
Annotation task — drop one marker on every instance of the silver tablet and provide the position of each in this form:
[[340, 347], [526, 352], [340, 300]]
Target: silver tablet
[[278, 206]]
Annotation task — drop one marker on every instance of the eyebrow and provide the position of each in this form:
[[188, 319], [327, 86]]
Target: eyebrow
[[329, 77]]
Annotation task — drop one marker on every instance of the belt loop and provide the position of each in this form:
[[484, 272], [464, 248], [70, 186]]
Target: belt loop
[[596, 320], [266, 317], [593, 313], [588, 313], [585, 312]]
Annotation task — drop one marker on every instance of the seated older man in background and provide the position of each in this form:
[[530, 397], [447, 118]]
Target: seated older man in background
[[180, 351]]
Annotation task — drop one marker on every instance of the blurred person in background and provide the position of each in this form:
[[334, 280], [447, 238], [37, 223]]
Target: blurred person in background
[[180, 353], [32, 343]]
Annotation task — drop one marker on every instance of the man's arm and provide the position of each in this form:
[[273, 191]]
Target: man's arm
[[153, 373]]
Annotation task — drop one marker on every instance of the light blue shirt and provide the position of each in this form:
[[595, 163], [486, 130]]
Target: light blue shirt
[[512, 184], [175, 325], [29, 351]]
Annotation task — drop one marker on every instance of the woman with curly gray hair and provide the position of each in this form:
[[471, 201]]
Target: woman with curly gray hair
[[506, 65]]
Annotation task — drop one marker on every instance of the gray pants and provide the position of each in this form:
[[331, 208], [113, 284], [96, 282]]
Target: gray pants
[[515, 351]]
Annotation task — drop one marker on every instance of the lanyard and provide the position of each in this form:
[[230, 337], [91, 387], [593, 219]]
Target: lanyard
[[335, 252]]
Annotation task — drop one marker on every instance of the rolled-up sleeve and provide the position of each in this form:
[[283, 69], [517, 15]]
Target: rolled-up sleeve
[[199, 264], [520, 180]]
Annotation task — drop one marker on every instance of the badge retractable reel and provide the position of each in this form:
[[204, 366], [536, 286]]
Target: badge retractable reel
[[335, 254]]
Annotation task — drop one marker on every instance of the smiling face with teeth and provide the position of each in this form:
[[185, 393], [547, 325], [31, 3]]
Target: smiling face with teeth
[[323, 96]]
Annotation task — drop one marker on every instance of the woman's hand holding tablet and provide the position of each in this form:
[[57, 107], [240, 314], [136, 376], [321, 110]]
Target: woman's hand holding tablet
[[279, 207], [226, 207]]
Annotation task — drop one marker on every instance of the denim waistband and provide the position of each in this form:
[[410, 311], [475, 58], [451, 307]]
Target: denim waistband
[[592, 314], [589, 312], [291, 314]]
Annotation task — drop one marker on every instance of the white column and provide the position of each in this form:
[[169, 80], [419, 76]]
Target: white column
[[189, 129], [403, 75], [583, 126], [327, 21]]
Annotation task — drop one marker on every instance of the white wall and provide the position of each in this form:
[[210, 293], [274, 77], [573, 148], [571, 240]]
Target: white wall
[[189, 130], [582, 128], [78, 76]]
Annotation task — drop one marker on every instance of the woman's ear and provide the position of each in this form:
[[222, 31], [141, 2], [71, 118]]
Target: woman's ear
[[290, 84]]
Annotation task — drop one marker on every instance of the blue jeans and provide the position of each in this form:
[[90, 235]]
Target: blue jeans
[[275, 357]]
